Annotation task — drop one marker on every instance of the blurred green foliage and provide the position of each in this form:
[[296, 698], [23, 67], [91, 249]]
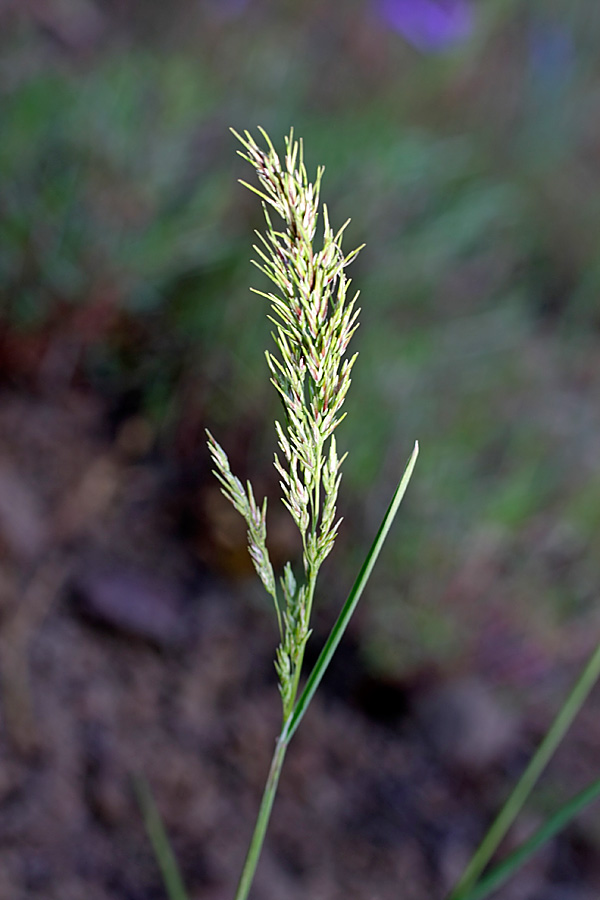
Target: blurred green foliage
[[473, 178]]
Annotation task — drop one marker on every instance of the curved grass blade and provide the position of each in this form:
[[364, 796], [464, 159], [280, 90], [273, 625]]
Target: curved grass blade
[[529, 778], [504, 870], [314, 679], [160, 841]]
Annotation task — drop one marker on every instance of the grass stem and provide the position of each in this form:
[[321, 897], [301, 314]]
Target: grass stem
[[262, 821]]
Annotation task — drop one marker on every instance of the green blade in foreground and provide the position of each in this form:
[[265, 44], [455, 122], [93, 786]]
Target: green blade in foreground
[[504, 870], [314, 679], [160, 842], [516, 800]]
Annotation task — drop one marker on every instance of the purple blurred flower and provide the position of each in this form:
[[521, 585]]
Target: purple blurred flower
[[433, 25]]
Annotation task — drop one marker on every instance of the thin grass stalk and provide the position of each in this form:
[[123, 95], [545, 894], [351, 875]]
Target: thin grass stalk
[[262, 821], [529, 778]]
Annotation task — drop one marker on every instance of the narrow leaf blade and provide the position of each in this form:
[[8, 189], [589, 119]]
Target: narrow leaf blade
[[504, 870], [159, 839], [314, 679]]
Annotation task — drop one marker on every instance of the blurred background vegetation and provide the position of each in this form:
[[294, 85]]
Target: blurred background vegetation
[[466, 149]]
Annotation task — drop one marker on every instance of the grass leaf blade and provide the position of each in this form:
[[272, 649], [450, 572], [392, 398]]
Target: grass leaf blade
[[504, 870], [345, 615], [529, 778], [160, 841]]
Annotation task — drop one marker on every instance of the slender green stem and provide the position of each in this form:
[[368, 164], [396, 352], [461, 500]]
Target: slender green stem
[[262, 820], [529, 778]]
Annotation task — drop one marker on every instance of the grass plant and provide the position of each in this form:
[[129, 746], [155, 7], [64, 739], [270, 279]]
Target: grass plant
[[314, 317]]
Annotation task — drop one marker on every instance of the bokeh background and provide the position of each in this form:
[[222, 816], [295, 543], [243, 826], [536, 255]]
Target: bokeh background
[[463, 139]]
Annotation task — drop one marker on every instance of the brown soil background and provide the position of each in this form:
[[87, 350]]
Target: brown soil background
[[125, 651]]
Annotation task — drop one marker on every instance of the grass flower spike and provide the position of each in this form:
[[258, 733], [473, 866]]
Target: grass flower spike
[[314, 321]]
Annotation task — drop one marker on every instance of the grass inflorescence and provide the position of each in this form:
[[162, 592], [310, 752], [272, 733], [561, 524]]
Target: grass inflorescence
[[314, 318]]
